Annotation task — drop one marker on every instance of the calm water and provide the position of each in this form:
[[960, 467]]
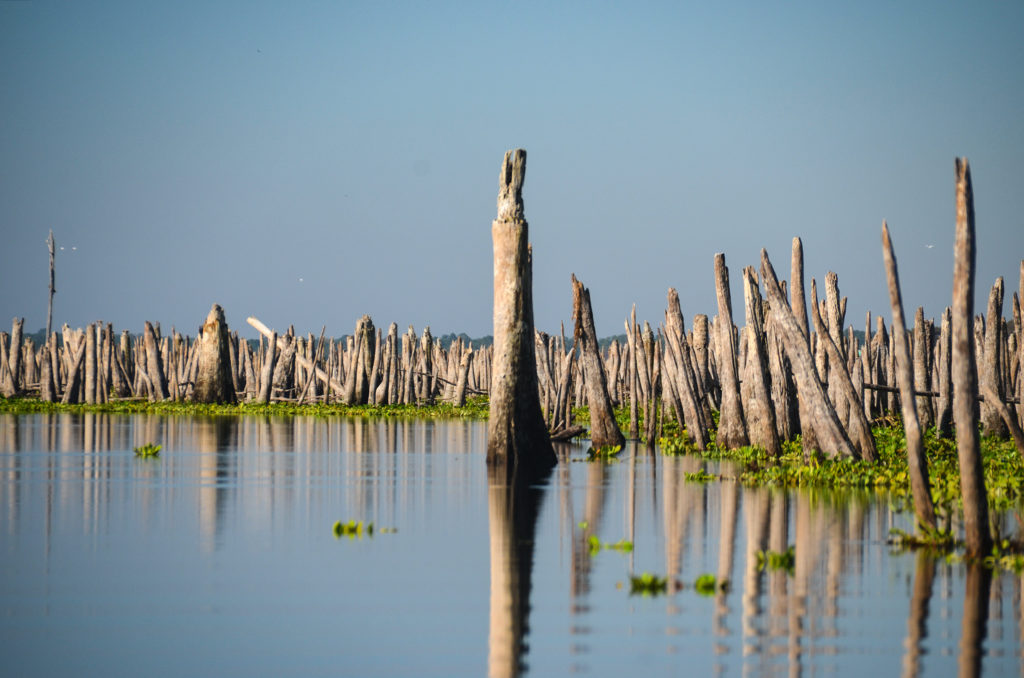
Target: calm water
[[218, 558]]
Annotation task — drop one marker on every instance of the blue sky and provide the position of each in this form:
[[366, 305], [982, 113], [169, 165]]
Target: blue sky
[[307, 164]]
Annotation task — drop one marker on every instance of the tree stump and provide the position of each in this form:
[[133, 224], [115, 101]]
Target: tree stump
[[732, 427], [214, 381], [516, 430], [604, 431]]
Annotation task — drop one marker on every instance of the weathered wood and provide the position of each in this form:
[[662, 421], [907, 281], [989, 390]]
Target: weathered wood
[[758, 407], [992, 423], [798, 305], [154, 365], [944, 414], [90, 365], [214, 382], [604, 431], [323, 376], [965, 374], [14, 357], [917, 463], [829, 435], [267, 373], [47, 392], [516, 431], [732, 427], [858, 428], [51, 248]]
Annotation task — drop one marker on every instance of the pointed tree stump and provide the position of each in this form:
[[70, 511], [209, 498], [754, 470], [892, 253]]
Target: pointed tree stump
[[965, 371], [604, 431], [214, 383], [732, 427], [516, 430]]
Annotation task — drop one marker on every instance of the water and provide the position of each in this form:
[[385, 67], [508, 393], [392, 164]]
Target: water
[[219, 558]]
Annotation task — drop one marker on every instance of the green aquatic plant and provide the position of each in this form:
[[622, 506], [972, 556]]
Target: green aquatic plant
[[148, 451], [604, 452], [708, 585], [925, 537], [648, 584], [352, 529], [595, 546], [776, 560], [699, 477]]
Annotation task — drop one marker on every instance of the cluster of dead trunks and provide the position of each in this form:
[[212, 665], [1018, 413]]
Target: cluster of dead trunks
[[95, 366]]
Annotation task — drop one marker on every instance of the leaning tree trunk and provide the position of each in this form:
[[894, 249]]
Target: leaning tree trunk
[[917, 463], [604, 431], [214, 381], [965, 371], [516, 430], [828, 432]]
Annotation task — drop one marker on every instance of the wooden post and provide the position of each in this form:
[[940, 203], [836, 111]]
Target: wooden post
[[516, 430], [965, 372], [604, 431], [732, 427]]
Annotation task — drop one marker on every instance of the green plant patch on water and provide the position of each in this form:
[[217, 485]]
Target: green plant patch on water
[[352, 529], [699, 477], [476, 408], [604, 452], [708, 585], [647, 584], [148, 451], [927, 538], [774, 560], [595, 545]]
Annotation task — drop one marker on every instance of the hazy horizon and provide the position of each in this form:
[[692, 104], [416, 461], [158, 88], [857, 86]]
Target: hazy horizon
[[309, 165]]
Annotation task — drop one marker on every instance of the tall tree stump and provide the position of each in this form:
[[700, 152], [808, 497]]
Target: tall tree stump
[[732, 427], [516, 430], [214, 383]]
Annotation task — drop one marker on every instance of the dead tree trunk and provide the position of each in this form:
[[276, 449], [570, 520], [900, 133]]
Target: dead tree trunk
[[829, 434], [214, 381], [685, 379], [17, 330], [154, 365], [992, 423], [516, 430], [51, 247], [798, 305], [757, 405], [732, 427], [922, 369], [465, 362], [917, 463], [267, 373], [944, 416], [604, 431], [965, 371]]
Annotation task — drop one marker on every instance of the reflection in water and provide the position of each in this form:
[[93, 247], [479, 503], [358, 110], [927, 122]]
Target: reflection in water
[[71, 488], [972, 633], [513, 503]]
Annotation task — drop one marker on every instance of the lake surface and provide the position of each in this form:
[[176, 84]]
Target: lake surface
[[219, 558]]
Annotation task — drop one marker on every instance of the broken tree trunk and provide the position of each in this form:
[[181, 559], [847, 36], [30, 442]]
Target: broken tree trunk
[[991, 422], [154, 365], [758, 407], [830, 436], [516, 430], [604, 431], [214, 382], [267, 373], [685, 379], [944, 415], [965, 372], [732, 427], [858, 428], [922, 369]]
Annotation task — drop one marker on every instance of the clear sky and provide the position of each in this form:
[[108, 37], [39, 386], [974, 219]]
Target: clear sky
[[310, 162]]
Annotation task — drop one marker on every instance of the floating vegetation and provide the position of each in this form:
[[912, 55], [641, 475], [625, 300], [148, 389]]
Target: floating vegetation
[[775, 560], [595, 545], [475, 408], [701, 476], [352, 529], [148, 451], [647, 584], [604, 452], [925, 538], [708, 585]]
